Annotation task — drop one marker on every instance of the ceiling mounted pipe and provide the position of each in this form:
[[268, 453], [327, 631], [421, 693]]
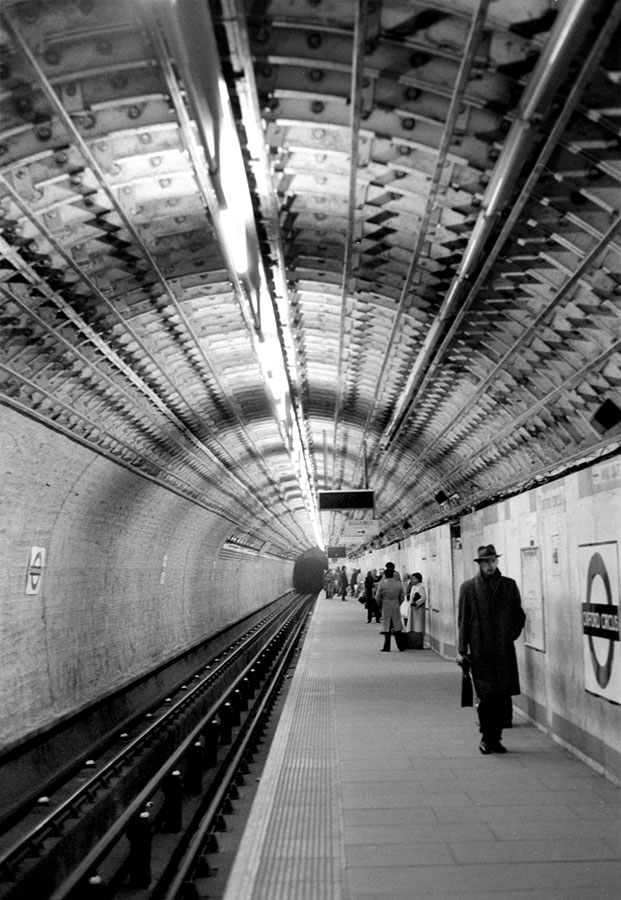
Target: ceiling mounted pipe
[[565, 39], [566, 36]]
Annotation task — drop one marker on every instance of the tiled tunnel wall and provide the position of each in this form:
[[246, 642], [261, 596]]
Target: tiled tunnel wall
[[132, 574]]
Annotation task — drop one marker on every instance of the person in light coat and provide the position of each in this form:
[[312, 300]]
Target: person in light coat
[[416, 620], [490, 619], [389, 598]]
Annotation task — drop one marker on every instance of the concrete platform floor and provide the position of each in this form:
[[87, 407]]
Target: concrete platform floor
[[375, 789]]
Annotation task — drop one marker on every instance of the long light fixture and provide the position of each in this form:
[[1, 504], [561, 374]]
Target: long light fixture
[[190, 35], [236, 208]]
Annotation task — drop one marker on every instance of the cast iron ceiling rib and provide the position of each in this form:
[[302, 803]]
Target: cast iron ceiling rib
[[245, 88], [92, 162], [585, 74], [128, 372], [474, 35], [129, 455], [528, 334], [411, 65], [568, 30], [522, 420], [589, 431], [208, 195], [357, 74]]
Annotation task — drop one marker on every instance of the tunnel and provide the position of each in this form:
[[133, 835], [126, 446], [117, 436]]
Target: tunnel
[[308, 572], [258, 254]]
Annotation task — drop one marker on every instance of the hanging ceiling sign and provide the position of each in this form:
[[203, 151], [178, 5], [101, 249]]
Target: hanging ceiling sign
[[336, 552], [334, 500], [365, 528]]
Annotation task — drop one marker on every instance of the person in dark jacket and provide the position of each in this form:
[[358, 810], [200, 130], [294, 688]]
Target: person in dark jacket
[[353, 581], [369, 597], [490, 619]]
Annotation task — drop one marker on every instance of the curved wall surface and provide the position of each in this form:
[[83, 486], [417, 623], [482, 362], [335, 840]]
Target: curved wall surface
[[132, 575]]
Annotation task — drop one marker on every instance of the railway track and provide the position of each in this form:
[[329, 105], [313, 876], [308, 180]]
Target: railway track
[[141, 819]]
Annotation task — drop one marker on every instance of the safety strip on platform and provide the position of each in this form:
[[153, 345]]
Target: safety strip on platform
[[293, 846]]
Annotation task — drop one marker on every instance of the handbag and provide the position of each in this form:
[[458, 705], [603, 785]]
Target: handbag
[[467, 698]]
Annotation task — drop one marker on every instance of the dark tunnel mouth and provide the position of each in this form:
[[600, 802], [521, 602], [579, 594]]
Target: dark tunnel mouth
[[308, 571]]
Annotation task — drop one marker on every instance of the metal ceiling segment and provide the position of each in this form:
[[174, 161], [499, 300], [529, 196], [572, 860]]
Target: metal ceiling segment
[[433, 197], [351, 239], [448, 135], [517, 148]]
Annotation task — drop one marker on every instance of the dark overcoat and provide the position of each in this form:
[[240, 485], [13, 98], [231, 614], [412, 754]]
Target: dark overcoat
[[490, 619]]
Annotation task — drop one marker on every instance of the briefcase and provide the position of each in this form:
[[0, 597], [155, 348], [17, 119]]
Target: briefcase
[[414, 640]]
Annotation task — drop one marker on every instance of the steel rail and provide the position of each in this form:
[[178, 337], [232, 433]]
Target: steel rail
[[98, 853], [259, 712], [125, 759]]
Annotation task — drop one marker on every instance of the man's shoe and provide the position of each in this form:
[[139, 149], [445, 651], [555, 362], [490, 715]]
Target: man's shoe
[[485, 748], [497, 747]]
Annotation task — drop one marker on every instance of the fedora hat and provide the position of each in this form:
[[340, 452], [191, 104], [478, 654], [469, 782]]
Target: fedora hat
[[486, 551]]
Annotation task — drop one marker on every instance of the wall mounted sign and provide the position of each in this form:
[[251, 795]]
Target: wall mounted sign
[[601, 641], [34, 574]]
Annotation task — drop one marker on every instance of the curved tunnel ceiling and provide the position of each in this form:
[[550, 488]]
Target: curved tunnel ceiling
[[426, 194]]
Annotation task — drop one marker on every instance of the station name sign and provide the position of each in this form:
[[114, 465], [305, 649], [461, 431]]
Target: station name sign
[[600, 620]]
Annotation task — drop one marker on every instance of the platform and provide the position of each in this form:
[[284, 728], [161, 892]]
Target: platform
[[375, 789]]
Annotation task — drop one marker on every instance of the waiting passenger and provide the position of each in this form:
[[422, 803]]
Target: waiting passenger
[[416, 620], [389, 597], [395, 573], [328, 582], [353, 582], [370, 605]]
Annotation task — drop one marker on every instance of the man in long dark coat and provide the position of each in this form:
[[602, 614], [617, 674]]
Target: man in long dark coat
[[490, 619]]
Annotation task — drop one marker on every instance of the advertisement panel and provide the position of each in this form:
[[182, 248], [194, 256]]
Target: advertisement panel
[[532, 598]]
